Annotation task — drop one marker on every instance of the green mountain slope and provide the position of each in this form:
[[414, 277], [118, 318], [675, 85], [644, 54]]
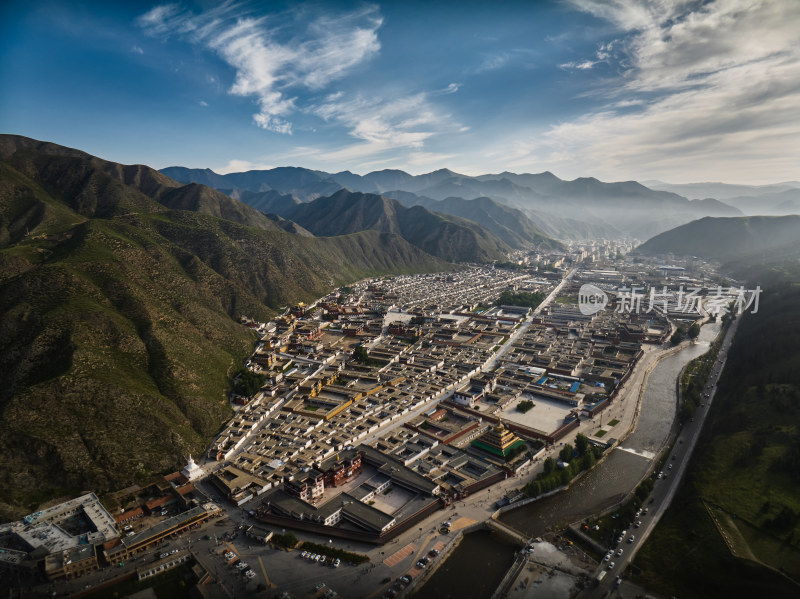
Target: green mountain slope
[[448, 237], [507, 223], [118, 313]]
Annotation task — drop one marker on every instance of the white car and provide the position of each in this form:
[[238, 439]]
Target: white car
[[608, 556], [611, 566], [619, 552]]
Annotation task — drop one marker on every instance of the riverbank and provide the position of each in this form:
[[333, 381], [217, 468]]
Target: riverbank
[[610, 472]]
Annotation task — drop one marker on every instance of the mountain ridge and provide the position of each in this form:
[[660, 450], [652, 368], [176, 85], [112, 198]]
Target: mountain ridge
[[120, 294]]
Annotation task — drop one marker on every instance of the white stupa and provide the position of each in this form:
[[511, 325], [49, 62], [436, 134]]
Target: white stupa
[[192, 471]]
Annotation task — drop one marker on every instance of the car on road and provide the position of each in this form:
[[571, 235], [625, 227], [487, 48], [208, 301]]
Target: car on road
[[619, 540], [405, 580], [618, 582], [611, 566], [619, 552], [337, 562], [420, 564], [638, 524], [433, 553], [631, 539], [660, 475], [319, 585], [608, 556], [670, 467]]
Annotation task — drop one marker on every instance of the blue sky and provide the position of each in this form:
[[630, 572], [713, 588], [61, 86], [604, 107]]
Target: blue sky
[[681, 91]]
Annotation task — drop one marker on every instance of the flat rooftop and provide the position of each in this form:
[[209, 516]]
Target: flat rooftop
[[546, 415]]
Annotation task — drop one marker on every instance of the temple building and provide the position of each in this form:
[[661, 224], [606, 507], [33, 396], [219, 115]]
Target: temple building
[[499, 441]]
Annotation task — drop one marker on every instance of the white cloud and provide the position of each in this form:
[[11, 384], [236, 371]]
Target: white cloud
[[203, 103], [137, 50], [708, 91], [452, 88], [586, 64], [266, 67], [238, 166]]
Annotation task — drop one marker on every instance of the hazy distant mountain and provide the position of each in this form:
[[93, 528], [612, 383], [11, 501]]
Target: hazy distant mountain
[[300, 182], [728, 239], [120, 291], [448, 237], [720, 191], [559, 208], [774, 203]]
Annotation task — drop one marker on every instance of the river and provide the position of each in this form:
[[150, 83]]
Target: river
[[600, 488]]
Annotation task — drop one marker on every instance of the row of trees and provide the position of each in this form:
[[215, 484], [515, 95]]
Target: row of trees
[[576, 459], [520, 298]]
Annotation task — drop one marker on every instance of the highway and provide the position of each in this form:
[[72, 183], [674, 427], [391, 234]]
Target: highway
[[664, 489]]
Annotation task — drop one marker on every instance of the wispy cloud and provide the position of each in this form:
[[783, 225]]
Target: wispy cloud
[[203, 103], [707, 89], [382, 124], [586, 64], [137, 50], [267, 67]]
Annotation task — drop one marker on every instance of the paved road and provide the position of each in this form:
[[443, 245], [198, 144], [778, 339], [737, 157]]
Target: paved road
[[666, 487]]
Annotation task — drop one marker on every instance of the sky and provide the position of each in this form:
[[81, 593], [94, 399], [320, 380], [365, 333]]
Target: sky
[[674, 90]]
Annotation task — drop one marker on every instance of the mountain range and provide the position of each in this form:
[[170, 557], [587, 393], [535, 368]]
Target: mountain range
[[120, 292], [552, 207], [747, 247]]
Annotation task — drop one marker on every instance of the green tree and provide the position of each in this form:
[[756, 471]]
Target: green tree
[[248, 383], [588, 460], [694, 331], [566, 453], [549, 465], [677, 336], [581, 443]]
